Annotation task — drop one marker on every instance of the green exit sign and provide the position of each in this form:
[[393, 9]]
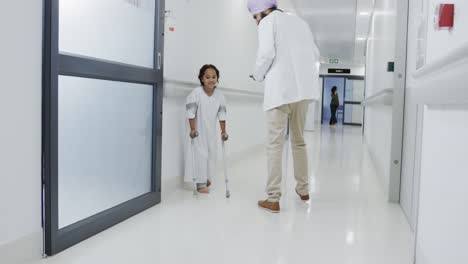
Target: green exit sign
[[333, 61]]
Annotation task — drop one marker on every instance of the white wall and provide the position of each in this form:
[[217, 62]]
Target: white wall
[[421, 28], [435, 143], [378, 119], [408, 193], [443, 209], [442, 40], [216, 32], [20, 131], [222, 33]]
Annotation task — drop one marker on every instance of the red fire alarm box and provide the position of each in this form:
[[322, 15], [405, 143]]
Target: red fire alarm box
[[446, 15]]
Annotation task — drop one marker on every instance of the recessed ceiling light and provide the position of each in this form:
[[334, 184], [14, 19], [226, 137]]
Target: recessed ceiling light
[[361, 38], [364, 13]]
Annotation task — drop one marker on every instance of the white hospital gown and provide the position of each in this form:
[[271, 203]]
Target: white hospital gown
[[207, 111]]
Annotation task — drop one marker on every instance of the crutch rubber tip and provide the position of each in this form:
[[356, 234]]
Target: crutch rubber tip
[[228, 195]]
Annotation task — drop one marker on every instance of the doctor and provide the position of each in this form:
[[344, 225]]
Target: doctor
[[287, 61]]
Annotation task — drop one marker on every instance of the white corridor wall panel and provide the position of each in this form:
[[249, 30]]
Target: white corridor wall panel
[[440, 41], [436, 70], [216, 32], [113, 30], [442, 233], [20, 137], [434, 172], [378, 118]]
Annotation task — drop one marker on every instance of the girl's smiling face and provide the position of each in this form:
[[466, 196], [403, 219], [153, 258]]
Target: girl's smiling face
[[210, 80]]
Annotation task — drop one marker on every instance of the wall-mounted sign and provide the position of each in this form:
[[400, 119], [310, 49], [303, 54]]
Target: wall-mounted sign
[[446, 15], [339, 71]]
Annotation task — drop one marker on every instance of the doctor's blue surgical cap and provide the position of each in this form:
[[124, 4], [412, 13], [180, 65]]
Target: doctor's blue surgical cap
[[258, 6]]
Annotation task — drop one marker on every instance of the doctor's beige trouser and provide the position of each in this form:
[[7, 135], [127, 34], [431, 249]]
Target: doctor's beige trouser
[[277, 120]]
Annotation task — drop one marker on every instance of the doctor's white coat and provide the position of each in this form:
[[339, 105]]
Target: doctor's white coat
[[287, 60]]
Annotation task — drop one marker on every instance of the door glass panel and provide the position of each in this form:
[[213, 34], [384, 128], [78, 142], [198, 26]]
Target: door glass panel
[[353, 114], [119, 31], [354, 90], [105, 145]]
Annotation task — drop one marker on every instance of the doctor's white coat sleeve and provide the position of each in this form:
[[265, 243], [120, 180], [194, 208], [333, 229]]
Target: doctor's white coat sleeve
[[266, 49]]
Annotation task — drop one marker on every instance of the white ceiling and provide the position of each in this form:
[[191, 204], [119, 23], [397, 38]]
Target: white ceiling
[[341, 27]]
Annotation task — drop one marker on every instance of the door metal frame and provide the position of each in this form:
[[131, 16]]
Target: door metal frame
[[323, 91], [55, 64], [351, 103], [398, 111]]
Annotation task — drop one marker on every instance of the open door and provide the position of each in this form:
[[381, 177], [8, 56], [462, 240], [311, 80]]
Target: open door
[[102, 115]]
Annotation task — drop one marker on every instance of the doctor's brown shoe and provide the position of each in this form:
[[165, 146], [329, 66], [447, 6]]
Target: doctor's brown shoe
[[272, 207]]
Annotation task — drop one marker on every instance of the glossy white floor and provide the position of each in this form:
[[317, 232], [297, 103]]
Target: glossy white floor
[[347, 220]]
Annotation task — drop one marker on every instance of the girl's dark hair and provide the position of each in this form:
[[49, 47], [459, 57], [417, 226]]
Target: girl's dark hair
[[334, 89], [203, 70]]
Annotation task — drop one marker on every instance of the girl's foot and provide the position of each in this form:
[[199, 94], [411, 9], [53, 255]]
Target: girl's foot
[[208, 183], [203, 190]]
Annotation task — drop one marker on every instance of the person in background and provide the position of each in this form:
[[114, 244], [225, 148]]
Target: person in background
[[334, 104]]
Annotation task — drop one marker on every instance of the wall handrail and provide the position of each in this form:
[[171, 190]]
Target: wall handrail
[[191, 85], [384, 97], [452, 58]]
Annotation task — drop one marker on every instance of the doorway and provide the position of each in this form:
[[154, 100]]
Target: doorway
[[351, 92], [328, 84]]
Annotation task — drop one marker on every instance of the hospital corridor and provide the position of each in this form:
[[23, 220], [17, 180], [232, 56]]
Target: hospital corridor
[[233, 131]]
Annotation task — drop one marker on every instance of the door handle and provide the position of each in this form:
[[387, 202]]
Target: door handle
[[159, 60]]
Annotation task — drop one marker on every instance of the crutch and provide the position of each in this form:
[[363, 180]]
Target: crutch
[[226, 180], [194, 178]]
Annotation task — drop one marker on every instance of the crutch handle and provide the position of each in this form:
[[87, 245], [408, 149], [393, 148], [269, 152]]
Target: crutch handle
[[193, 134]]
